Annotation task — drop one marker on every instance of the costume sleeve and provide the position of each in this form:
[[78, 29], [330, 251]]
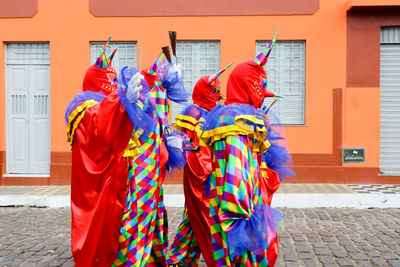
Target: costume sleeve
[[140, 110], [237, 188], [175, 141], [114, 127], [249, 224], [269, 182], [200, 164]]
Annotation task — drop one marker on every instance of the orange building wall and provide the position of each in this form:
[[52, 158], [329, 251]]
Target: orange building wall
[[361, 123], [70, 31], [362, 96], [70, 27]]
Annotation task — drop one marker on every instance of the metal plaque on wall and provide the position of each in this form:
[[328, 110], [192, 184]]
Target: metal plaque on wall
[[353, 155]]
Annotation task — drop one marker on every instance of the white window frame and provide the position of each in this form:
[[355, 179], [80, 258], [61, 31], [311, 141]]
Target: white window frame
[[126, 54], [189, 53], [288, 81], [29, 145]]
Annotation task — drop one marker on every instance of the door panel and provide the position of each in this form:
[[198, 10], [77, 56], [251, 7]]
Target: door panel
[[19, 157], [389, 151], [17, 132], [39, 119], [28, 108]]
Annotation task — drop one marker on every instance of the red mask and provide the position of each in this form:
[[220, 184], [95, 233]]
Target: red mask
[[97, 79], [205, 95], [246, 85]]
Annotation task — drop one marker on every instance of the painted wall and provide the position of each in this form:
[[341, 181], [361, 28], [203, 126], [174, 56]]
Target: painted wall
[[69, 32], [361, 123], [362, 95], [69, 27]]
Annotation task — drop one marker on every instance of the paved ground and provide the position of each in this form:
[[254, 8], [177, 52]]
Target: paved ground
[[308, 237]]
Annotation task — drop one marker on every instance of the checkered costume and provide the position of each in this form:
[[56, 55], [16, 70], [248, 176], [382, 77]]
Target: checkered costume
[[143, 237]]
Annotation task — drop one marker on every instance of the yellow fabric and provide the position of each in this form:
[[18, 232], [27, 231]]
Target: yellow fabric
[[76, 116], [132, 149], [193, 125], [250, 118], [241, 127], [76, 123], [263, 165], [183, 125], [181, 117], [78, 110]]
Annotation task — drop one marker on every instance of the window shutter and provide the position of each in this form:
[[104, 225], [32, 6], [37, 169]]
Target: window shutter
[[286, 77], [126, 54], [198, 58], [389, 152]]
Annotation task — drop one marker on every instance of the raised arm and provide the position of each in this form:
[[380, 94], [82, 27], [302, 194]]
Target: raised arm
[[114, 127], [124, 111]]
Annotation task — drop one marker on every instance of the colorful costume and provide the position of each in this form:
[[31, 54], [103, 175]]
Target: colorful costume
[[245, 166], [193, 232], [143, 235], [99, 130]]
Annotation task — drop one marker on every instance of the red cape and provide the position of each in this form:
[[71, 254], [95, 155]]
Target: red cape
[[195, 173], [268, 186], [99, 182]]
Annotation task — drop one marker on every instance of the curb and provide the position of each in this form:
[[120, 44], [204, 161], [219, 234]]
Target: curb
[[36, 201], [357, 201]]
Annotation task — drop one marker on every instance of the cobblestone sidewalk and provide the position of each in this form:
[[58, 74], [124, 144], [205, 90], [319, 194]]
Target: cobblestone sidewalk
[[308, 237]]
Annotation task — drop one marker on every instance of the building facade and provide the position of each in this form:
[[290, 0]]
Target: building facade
[[336, 62]]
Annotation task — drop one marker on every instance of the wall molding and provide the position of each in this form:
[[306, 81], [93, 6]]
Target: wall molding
[[137, 8], [18, 8]]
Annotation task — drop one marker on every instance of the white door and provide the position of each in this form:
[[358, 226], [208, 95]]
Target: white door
[[17, 132], [27, 109], [39, 119], [389, 152]]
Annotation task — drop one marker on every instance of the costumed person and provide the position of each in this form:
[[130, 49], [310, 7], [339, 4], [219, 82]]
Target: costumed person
[[242, 223], [100, 122], [193, 236], [144, 233]]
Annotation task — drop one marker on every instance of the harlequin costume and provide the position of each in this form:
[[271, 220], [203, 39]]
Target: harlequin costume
[[193, 236], [242, 180], [143, 239], [100, 123]]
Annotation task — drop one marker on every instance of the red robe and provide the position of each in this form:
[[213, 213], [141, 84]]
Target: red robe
[[99, 182], [195, 173], [246, 77], [269, 183], [198, 167]]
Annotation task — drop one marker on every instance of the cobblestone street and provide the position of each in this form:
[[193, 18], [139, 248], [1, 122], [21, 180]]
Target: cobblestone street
[[308, 237]]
